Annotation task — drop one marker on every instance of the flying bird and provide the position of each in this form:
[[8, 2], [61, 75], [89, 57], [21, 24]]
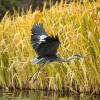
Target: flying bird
[[46, 46]]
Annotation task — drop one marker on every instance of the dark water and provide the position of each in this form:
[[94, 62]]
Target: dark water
[[41, 95]]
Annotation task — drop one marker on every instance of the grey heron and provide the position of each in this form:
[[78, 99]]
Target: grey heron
[[46, 46]]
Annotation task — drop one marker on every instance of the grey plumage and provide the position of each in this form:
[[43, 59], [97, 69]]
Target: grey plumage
[[46, 46]]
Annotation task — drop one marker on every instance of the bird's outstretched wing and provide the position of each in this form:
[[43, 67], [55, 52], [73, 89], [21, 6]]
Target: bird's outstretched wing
[[37, 36], [42, 43]]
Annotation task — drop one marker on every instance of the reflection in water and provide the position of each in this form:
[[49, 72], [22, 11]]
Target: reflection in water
[[43, 95]]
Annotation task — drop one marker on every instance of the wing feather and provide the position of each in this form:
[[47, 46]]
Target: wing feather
[[37, 36], [42, 43], [49, 47]]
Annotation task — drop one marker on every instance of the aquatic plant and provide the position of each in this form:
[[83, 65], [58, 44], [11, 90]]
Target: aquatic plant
[[78, 28]]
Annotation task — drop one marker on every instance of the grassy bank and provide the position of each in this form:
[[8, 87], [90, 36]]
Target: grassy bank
[[78, 28]]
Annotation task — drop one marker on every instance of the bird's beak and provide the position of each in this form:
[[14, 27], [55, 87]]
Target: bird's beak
[[78, 56]]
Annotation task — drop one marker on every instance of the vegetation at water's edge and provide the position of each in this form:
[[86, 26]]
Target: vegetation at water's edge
[[78, 28]]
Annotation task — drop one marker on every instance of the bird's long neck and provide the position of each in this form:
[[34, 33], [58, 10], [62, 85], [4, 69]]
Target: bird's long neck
[[67, 59]]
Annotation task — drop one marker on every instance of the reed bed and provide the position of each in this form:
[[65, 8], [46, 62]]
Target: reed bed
[[78, 28]]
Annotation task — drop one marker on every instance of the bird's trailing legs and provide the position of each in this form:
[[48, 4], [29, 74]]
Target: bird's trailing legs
[[37, 61]]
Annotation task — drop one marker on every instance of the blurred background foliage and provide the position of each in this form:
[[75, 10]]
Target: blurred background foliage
[[78, 29], [9, 5]]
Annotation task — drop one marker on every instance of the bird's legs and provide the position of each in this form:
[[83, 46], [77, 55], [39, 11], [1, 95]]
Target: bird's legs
[[37, 61]]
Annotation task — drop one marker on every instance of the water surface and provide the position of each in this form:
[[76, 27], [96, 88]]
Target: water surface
[[43, 95]]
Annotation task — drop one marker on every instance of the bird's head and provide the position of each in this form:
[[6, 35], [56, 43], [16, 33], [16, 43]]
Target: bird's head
[[78, 56]]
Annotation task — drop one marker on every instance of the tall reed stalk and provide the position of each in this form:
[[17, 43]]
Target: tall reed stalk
[[78, 28]]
